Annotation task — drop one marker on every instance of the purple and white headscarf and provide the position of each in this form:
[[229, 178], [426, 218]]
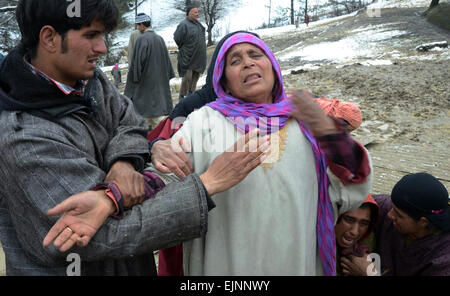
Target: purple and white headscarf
[[235, 109]]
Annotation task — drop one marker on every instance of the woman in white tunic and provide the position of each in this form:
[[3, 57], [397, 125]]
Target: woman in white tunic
[[277, 221]]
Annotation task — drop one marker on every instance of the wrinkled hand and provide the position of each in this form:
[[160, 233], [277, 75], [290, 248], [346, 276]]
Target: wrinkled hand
[[232, 166], [310, 113], [83, 213], [355, 266], [131, 183], [169, 156]]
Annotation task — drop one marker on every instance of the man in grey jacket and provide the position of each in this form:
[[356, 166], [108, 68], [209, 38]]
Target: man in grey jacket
[[149, 75], [190, 39], [65, 131]]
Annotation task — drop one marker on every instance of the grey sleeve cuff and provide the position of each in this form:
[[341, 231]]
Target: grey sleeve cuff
[[211, 204], [176, 214]]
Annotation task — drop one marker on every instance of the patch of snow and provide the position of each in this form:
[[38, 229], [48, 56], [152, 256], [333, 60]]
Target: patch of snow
[[377, 63], [375, 27], [432, 45], [363, 44], [436, 55], [177, 81], [384, 127], [304, 67], [249, 15], [399, 3], [109, 68]]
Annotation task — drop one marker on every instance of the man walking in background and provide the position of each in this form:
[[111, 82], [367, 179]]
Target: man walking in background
[[133, 37], [149, 74], [190, 39]]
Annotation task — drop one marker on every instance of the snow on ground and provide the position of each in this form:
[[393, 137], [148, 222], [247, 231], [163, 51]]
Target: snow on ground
[[248, 16], [269, 32], [400, 3], [362, 44], [362, 47]]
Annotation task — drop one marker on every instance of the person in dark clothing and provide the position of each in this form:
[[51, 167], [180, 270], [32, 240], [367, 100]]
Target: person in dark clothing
[[413, 231], [149, 74], [117, 76], [190, 39], [69, 137]]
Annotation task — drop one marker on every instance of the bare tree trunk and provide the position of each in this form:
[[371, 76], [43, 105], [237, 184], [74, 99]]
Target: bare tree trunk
[[306, 8], [270, 10], [210, 41], [433, 4], [292, 12], [212, 10]]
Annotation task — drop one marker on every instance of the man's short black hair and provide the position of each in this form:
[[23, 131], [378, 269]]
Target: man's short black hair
[[32, 15]]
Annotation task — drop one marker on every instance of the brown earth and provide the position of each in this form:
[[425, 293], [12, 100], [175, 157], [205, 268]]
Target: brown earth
[[405, 105]]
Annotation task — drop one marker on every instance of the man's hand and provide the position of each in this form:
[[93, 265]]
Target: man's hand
[[131, 183], [232, 166], [83, 214], [168, 156], [310, 113], [355, 266]]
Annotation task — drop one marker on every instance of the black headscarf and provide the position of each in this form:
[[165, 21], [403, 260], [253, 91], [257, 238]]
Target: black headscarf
[[422, 195]]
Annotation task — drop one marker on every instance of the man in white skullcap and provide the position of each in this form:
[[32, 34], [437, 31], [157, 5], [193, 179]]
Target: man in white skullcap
[[149, 74]]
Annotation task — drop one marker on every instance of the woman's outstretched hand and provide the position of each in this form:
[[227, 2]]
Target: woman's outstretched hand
[[84, 213], [169, 156], [232, 166]]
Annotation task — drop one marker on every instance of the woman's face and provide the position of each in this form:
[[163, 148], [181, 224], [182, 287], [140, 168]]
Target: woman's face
[[249, 74], [352, 226]]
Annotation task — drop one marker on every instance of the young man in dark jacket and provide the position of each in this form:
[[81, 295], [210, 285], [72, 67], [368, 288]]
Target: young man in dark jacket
[[67, 132], [413, 231]]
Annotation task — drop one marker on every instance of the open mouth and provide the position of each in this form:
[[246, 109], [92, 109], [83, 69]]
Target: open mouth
[[347, 241], [252, 77], [93, 62]]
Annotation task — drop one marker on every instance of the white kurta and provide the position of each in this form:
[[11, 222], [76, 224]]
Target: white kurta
[[265, 225]]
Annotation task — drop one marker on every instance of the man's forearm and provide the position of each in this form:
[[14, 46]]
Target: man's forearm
[[177, 213]]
